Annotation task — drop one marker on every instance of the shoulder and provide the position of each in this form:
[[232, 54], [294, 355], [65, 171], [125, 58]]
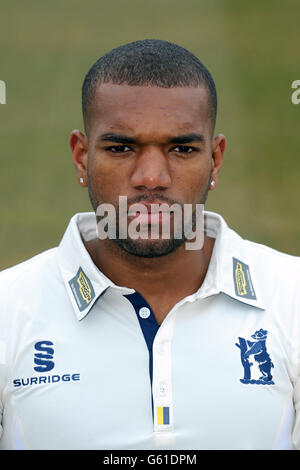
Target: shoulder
[[278, 273], [22, 287], [269, 257], [15, 279]]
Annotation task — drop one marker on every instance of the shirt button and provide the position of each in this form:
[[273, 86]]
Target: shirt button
[[144, 312], [162, 389]]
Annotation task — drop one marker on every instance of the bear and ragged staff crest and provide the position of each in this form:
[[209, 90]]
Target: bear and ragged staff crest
[[258, 350]]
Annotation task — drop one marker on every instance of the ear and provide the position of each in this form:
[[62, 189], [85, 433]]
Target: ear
[[218, 149], [79, 147]]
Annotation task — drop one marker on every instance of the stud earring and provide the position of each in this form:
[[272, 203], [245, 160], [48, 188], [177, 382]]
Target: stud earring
[[212, 184], [81, 180]]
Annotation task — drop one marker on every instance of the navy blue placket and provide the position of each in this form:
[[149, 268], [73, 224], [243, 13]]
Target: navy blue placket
[[148, 324]]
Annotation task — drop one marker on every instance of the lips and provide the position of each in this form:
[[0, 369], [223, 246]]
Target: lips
[[149, 213]]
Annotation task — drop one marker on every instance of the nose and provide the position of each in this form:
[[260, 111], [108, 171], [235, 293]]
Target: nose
[[151, 170]]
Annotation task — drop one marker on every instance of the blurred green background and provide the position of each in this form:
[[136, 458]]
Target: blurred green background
[[252, 51]]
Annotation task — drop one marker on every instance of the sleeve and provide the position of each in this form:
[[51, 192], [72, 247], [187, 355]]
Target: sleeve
[[296, 430], [2, 363], [296, 397], [5, 328], [1, 414]]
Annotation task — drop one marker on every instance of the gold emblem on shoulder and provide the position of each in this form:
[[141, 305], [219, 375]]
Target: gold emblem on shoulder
[[240, 279], [84, 288]]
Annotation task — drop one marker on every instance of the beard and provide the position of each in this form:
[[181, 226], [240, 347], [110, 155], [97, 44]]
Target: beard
[[149, 247]]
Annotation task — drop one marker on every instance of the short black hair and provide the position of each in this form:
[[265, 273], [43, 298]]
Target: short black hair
[[149, 62]]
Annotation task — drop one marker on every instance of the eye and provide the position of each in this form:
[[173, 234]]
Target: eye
[[118, 148], [184, 149]]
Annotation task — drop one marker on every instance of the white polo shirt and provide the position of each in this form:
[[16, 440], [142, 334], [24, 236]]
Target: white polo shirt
[[84, 364]]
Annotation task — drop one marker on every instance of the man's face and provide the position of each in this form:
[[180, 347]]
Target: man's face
[[152, 145]]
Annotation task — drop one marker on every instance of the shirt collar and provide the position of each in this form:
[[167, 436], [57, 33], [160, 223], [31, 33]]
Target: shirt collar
[[84, 282], [230, 271]]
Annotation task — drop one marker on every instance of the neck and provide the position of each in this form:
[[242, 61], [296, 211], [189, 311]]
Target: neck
[[163, 280]]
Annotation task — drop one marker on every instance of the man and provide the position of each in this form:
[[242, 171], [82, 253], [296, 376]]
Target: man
[[138, 342]]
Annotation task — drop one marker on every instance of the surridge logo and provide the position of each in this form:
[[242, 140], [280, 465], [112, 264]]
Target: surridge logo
[[43, 358], [84, 287]]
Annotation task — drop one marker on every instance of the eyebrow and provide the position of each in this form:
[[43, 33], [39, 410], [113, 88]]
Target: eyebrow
[[187, 138], [120, 139], [124, 139]]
